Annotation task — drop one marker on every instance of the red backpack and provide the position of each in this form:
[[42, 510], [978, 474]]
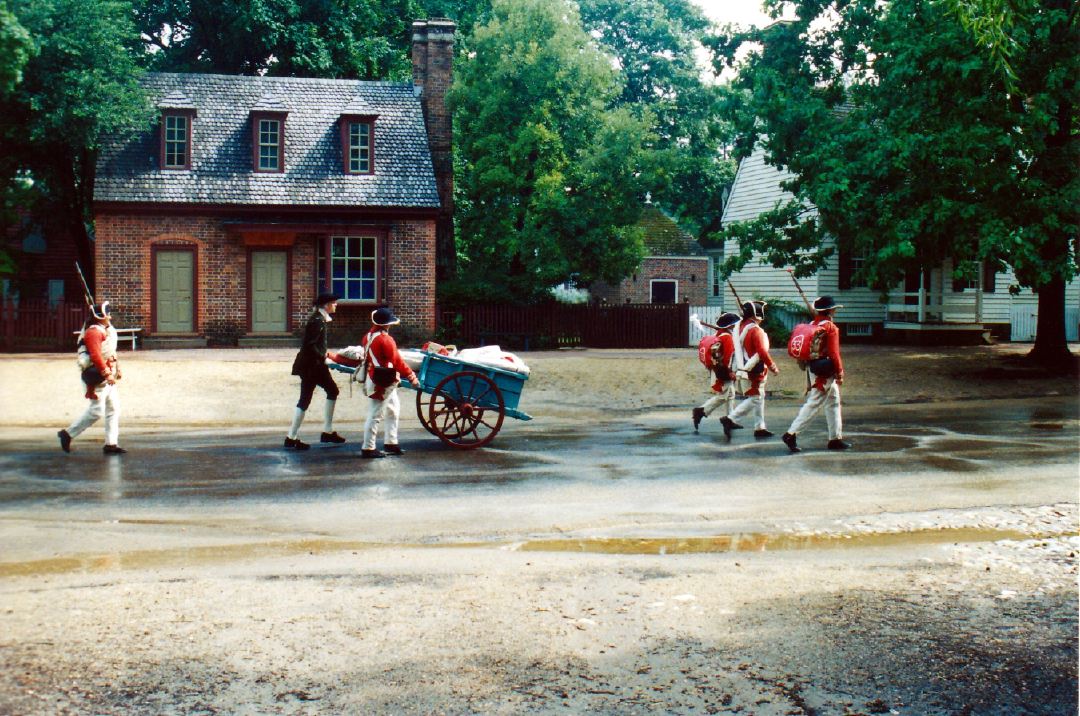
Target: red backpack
[[706, 351], [805, 342]]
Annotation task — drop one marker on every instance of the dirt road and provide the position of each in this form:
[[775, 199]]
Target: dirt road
[[601, 558]]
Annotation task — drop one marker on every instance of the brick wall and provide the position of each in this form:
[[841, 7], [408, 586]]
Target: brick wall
[[124, 257], [692, 275]]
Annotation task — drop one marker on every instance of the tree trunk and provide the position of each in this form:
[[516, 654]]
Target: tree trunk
[[1050, 346]]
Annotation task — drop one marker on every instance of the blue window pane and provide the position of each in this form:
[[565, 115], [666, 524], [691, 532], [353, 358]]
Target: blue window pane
[[339, 288], [368, 290], [338, 268]]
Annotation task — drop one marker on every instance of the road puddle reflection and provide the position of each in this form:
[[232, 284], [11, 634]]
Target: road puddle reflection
[[195, 557], [763, 542]]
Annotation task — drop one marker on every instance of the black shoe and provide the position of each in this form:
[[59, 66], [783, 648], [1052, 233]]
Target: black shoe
[[331, 438], [735, 426], [698, 416], [393, 450], [113, 450], [370, 454], [762, 434], [729, 425], [790, 440], [297, 444], [838, 444], [65, 440]]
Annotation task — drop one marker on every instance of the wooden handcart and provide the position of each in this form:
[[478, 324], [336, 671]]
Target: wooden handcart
[[463, 403]]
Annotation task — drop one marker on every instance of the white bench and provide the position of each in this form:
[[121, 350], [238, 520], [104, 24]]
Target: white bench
[[122, 334]]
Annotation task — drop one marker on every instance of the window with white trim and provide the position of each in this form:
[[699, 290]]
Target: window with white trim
[[663, 291], [716, 284], [359, 147], [177, 141], [353, 266], [858, 260], [269, 145]]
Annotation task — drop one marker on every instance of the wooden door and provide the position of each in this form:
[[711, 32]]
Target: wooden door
[[175, 294], [269, 274]]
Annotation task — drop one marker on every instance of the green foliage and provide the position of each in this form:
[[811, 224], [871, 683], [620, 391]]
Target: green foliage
[[910, 143], [362, 39], [16, 48], [79, 84], [550, 173], [654, 42]]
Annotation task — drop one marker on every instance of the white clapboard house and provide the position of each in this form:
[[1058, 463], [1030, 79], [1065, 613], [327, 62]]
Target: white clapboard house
[[928, 308]]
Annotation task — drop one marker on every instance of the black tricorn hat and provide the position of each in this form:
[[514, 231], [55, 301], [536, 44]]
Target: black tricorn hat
[[325, 297], [727, 320], [384, 317], [826, 303], [754, 309]]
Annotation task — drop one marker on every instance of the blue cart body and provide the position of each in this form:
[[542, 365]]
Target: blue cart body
[[435, 368]]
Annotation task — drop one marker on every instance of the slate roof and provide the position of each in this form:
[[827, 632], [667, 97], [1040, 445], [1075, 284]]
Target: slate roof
[[221, 169], [663, 237]]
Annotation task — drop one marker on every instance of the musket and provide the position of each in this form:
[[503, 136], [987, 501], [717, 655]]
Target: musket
[[736, 294], [87, 294], [791, 272]]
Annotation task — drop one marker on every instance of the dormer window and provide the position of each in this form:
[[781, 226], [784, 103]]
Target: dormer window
[[268, 145], [176, 138], [358, 143]]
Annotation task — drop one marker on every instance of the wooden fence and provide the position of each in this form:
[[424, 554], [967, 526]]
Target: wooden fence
[[39, 325], [650, 325]]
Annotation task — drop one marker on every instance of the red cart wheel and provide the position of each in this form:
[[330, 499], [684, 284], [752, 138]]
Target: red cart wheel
[[423, 400], [466, 410]]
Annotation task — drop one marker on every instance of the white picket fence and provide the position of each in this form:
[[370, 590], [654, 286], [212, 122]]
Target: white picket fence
[[1024, 318]]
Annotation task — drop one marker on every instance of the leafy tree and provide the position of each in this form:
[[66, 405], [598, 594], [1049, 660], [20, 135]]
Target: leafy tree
[[655, 42], [16, 48], [466, 14], [78, 85], [907, 138], [361, 39], [549, 170]]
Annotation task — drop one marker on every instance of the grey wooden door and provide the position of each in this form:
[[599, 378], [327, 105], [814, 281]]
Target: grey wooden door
[[269, 272], [175, 299]]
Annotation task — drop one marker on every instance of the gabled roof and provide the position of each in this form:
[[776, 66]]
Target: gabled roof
[[663, 237], [221, 170]]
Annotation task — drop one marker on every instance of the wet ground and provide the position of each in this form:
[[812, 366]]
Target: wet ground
[[870, 581]]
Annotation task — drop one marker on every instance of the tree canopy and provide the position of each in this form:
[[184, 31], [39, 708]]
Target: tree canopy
[[360, 39], [655, 44], [549, 172], [913, 145], [79, 82]]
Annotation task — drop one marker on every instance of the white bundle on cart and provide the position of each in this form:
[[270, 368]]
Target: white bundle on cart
[[494, 357]]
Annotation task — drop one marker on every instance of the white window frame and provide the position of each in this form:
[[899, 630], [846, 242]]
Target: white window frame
[[717, 287], [360, 154], [265, 132], [857, 262], [355, 252], [177, 135]]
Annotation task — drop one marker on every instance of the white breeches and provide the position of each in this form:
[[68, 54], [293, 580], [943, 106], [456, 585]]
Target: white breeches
[[752, 404], [830, 400], [725, 396], [391, 407], [107, 404]]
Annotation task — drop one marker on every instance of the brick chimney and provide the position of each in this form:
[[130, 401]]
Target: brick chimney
[[432, 60]]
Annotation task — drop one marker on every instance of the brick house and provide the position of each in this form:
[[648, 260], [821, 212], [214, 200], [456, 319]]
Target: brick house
[[252, 194], [675, 268]]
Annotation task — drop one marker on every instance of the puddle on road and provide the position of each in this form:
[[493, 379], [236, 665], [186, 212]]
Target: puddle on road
[[195, 557], [763, 542]]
